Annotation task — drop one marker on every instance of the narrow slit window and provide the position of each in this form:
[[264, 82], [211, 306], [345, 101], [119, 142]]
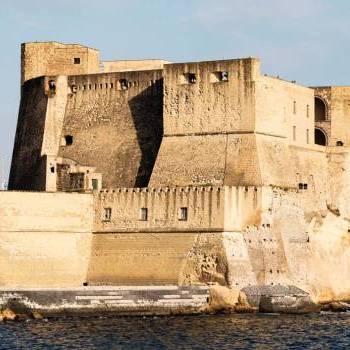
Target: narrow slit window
[[307, 136], [183, 214], [107, 214], [144, 214], [307, 111], [295, 107], [294, 133]]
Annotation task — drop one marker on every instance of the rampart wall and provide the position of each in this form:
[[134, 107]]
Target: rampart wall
[[115, 129], [53, 58], [285, 109], [28, 166], [44, 239], [207, 121]]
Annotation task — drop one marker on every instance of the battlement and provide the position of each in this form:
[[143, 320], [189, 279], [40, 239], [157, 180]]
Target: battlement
[[187, 209]]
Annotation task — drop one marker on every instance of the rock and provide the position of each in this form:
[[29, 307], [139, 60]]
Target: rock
[[222, 298], [36, 315], [336, 306], [243, 305], [288, 304], [228, 299], [8, 315], [280, 299]]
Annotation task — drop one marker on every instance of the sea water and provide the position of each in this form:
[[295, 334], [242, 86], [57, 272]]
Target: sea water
[[262, 331]]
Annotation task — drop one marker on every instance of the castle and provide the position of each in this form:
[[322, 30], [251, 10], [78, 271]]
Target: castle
[[157, 173]]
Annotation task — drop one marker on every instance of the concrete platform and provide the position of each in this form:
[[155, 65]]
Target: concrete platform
[[122, 300]]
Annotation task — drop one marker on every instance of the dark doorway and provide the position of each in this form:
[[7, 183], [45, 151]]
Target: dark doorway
[[320, 138], [320, 110]]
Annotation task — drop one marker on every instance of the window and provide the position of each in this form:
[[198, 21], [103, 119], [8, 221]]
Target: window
[[68, 140], [307, 136], [52, 169], [123, 84], [308, 111], [218, 77], [107, 214], [76, 60], [294, 133], [52, 86], [189, 78], [183, 214], [294, 107], [94, 183], [143, 214], [302, 186]]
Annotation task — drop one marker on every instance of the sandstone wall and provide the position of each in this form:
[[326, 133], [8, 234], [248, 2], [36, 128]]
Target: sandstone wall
[[340, 115], [281, 106], [201, 120], [53, 58], [131, 65], [117, 131], [45, 239], [28, 166]]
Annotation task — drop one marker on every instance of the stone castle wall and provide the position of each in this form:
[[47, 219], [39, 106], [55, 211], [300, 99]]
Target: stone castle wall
[[45, 239], [52, 58], [28, 167], [117, 131]]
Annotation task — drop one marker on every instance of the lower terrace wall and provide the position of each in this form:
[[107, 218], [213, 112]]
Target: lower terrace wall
[[45, 239], [49, 239]]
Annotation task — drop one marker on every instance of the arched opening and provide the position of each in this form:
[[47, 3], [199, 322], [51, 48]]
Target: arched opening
[[320, 110], [320, 138]]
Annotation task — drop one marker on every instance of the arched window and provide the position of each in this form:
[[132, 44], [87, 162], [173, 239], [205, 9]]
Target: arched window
[[320, 110], [320, 137]]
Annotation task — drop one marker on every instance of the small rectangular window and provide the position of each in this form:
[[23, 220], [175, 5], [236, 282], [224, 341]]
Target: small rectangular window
[[107, 214], [183, 214], [94, 183], [294, 133], [144, 214], [68, 139], [219, 77], [189, 78], [76, 60]]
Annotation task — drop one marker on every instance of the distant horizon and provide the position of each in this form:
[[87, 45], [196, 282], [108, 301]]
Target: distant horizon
[[305, 40]]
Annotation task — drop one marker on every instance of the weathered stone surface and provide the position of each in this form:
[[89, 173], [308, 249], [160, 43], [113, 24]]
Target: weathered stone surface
[[8, 315], [281, 299]]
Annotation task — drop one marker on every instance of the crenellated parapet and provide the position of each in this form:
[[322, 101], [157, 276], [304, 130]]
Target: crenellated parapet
[[167, 209]]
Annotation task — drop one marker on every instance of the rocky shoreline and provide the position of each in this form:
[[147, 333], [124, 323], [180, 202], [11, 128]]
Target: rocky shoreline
[[147, 301]]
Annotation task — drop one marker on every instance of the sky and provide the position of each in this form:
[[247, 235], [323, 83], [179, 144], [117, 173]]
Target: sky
[[303, 40]]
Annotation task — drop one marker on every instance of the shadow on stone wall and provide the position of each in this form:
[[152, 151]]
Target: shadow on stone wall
[[147, 114], [28, 166]]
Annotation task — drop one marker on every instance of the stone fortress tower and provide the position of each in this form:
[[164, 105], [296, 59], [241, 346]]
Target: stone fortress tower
[[177, 173]]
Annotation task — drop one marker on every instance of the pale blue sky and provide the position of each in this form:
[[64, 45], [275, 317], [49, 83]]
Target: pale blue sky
[[303, 40]]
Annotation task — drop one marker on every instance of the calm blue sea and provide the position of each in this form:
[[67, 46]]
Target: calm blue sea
[[325, 331]]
